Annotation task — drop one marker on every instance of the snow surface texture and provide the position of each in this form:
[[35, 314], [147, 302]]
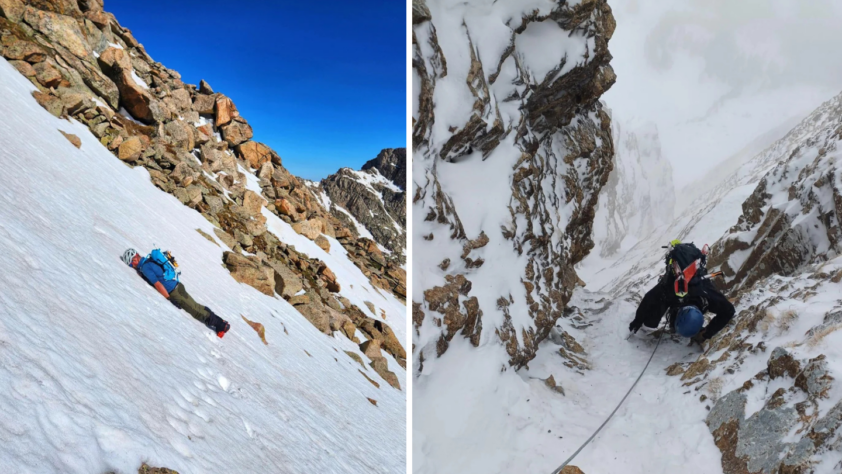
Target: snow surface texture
[[473, 418], [98, 372]]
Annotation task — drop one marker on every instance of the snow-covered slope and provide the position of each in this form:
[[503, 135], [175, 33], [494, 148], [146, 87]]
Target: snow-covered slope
[[100, 373], [639, 196]]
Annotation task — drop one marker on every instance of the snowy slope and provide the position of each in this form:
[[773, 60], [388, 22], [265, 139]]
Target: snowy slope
[[100, 373]]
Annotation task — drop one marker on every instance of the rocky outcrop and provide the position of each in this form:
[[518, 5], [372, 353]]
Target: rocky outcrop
[[86, 66], [517, 154], [374, 198], [793, 216]]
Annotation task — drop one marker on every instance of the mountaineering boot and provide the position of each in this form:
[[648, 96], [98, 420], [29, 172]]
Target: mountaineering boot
[[217, 324]]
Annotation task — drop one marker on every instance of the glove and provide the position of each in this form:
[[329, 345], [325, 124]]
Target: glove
[[635, 326], [699, 338]]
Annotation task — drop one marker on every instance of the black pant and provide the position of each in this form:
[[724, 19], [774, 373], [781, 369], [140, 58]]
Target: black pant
[[704, 296]]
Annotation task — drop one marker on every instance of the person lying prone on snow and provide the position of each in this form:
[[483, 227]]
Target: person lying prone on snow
[[158, 270]]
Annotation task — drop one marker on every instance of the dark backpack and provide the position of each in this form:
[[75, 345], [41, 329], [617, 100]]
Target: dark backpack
[[687, 264]]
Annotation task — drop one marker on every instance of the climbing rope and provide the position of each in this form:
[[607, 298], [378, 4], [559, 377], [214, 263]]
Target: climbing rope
[[557, 471]]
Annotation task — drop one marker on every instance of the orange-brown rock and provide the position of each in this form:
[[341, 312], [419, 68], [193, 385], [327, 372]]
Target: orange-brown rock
[[72, 139], [253, 203], [224, 110], [310, 228], [61, 29], [130, 149], [255, 153], [251, 271]]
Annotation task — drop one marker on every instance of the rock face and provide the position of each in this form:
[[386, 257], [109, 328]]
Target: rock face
[[375, 199], [85, 65], [508, 169], [793, 216], [639, 196]]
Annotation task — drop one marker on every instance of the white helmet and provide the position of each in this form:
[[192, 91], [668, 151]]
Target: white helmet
[[128, 255]]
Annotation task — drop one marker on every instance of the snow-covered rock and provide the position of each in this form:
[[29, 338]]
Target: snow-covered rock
[[372, 202], [511, 148]]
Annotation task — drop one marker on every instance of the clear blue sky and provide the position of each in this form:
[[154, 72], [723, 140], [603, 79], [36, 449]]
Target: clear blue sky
[[322, 83]]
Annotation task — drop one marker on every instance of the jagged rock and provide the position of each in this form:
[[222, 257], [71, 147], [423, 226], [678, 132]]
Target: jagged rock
[[287, 282], [205, 88], [180, 135], [236, 132], [782, 363], [251, 271], [72, 139], [60, 29], [550, 383], [224, 111], [420, 12], [371, 348], [815, 379], [696, 368], [91, 5], [380, 366], [256, 154], [113, 60], [374, 197], [204, 104]]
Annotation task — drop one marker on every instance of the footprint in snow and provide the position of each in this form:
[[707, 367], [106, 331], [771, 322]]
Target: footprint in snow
[[224, 383]]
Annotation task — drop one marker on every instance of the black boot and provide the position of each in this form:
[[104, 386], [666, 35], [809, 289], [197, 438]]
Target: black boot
[[217, 324]]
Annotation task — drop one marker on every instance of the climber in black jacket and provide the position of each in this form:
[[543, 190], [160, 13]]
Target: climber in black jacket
[[686, 303]]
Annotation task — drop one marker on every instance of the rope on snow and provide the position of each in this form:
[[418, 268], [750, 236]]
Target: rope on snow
[[558, 470]]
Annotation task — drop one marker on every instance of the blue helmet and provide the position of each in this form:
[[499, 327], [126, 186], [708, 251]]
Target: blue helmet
[[689, 321]]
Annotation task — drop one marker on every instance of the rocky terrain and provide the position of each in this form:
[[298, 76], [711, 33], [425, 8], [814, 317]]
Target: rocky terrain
[[371, 203], [511, 148], [639, 196], [768, 380], [197, 147]]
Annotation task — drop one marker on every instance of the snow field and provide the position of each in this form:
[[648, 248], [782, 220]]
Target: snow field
[[98, 372]]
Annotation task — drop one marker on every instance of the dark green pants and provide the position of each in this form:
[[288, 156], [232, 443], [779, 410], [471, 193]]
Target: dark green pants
[[182, 300]]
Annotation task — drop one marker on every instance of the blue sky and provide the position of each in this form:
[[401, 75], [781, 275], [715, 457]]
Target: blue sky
[[322, 83]]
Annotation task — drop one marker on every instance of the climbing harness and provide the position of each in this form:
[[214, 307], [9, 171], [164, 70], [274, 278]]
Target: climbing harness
[[557, 471]]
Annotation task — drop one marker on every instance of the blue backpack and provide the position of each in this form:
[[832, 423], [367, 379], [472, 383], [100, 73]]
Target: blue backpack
[[162, 261]]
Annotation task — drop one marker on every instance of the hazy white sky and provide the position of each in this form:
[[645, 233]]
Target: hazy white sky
[[714, 74]]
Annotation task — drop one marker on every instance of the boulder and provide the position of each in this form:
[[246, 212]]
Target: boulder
[[285, 208], [180, 135], [380, 366], [130, 149], [371, 348], [60, 29], [287, 282], [181, 100], [256, 154], [137, 101], [114, 60], [236, 132], [204, 134], [253, 203], [12, 9], [47, 74], [317, 315], [204, 104], [224, 110], [323, 243], [251, 271], [309, 228]]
